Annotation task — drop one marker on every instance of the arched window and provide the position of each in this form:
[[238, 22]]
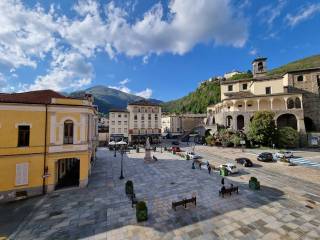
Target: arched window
[[290, 103], [228, 121], [260, 66], [68, 132], [297, 103]]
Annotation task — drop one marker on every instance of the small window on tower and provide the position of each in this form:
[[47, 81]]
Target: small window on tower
[[245, 86], [268, 90], [300, 78], [230, 88], [318, 80]]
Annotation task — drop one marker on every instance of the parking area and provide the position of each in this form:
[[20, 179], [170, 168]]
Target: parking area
[[284, 208]]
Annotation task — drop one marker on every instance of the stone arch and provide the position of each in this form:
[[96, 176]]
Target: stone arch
[[265, 104], [240, 122], [297, 103], [309, 125], [67, 172], [287, 120], [290, 103], [278, 104]]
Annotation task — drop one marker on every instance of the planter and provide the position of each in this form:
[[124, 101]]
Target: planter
[[224, 172], [141, 211], [129, 187], [254, 184]]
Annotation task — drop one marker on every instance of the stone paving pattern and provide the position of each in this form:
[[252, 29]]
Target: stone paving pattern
[[103, 211]]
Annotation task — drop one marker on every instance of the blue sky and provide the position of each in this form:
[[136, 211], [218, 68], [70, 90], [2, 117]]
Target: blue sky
[[159, 49]]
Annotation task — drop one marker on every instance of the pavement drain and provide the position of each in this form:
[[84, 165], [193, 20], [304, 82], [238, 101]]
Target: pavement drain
[[55, 213]]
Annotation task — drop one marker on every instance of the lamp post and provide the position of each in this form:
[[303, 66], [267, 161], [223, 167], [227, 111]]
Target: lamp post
[[122, 144]]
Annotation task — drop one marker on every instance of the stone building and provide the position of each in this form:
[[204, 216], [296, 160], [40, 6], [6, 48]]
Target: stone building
[[292, 96], [118, 125]]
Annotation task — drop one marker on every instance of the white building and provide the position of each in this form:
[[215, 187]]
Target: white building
[[118, 125]]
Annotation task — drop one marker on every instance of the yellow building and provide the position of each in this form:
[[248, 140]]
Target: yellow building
[[47, 142]]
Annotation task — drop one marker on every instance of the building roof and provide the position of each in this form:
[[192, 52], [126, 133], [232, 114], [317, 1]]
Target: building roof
[[144, 102], [241, 95], [261, 78], [118, 110], [33, 97], [259, 59]]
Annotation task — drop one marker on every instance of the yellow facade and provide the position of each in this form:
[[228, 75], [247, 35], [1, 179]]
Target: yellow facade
[[33, 169]]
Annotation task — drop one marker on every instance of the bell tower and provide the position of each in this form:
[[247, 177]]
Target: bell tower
[[259, 67]]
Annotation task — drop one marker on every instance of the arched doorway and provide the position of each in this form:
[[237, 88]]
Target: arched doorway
[[309, 124], [240, 122], [287, 120], [67, 172]]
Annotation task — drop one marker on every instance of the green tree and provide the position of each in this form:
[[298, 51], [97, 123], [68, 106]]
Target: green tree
[[262, 128], [288, 137]]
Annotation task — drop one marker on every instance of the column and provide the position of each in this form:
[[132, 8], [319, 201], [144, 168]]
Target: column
[[258, 102], [245, 105], [301, 102], [271, 103], [286, 102]]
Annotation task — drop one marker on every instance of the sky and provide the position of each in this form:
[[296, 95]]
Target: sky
[[160, 49]]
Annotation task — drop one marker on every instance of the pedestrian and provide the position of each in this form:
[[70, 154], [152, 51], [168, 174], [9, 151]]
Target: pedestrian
[[193, 167], [222, 181], [200, 165], [209, 169]]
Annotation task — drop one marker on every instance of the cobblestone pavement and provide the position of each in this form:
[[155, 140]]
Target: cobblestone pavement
[[103, 211]]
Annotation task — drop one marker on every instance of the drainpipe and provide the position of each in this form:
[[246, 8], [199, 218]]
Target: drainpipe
[[45, 169]]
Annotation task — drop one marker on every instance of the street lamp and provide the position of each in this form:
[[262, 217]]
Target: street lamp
[[122, 144], [114, 144]]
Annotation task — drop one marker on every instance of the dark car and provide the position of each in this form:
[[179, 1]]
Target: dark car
[[175, 143], [246, 162], [176, 149], [265, 157]]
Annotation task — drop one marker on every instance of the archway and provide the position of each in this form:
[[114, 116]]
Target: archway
[[240, 122], [67, 172], [287, 120], [309, 124]]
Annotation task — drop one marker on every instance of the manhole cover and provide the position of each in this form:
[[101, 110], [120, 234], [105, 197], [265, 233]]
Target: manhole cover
[[55, 213]]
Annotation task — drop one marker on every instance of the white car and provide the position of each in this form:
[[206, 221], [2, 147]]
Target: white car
[[192, 155], [282, 154], [230, 167]]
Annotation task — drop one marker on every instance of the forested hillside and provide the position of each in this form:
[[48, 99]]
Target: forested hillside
[[196, 102]]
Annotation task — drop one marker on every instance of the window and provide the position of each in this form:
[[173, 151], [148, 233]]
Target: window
[[244, 86], [149, 116], [300, 78], [119, 115], [23, 136], [113, 122], [318, 80], [126, 129], [230, 88], [125, 122], [68, 132], [268, 90], [142, 117], [260, 66], [240, 106], [119, 122], [156, 117], [135, 117], [22, 175], [119, 130], [125, 116], [113, 130]]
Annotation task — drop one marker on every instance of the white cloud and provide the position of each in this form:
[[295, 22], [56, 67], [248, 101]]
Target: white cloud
[[69, 71], [147, 93], [270, 13], [124, 81], [26, 35], [190, 22], [253, 52], [304, 14], [121, 88]]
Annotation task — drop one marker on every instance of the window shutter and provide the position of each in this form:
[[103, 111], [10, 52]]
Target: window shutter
[[22, 173]]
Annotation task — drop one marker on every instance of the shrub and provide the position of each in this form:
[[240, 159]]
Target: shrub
[[129, 187], [209, 140], [141, 211], [235, 139], [187, 157], [288, 137], [254, 183], [253, 179]]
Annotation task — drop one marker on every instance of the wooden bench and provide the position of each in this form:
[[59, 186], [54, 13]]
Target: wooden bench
[[229, 191], [184, 202]]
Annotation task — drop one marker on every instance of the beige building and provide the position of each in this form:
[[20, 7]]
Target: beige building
[[181, 123], [293, 97], [118, 125], [144, 121]]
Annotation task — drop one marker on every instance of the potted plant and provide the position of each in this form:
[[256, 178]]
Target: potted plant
[[141, 211], [254, 183], [224, 171], [187, 157], [129, 187]]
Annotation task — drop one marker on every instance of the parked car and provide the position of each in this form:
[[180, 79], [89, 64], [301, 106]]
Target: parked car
[[281, 154], [176, 149], [231, 168], [246, 162], [192, 155], [265, 157], [175, 143]]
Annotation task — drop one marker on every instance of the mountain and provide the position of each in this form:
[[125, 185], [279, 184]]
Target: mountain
[[209, 92], [196, 102], [107, 98]]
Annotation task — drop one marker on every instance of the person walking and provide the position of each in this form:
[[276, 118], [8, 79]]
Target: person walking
[[193, 167], [222, 181], [200, 165], [209, 169]]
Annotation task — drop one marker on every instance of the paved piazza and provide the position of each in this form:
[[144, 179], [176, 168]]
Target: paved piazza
[[285, 208]]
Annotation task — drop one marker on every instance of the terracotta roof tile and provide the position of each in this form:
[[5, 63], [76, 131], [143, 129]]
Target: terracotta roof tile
[[35, 97]]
